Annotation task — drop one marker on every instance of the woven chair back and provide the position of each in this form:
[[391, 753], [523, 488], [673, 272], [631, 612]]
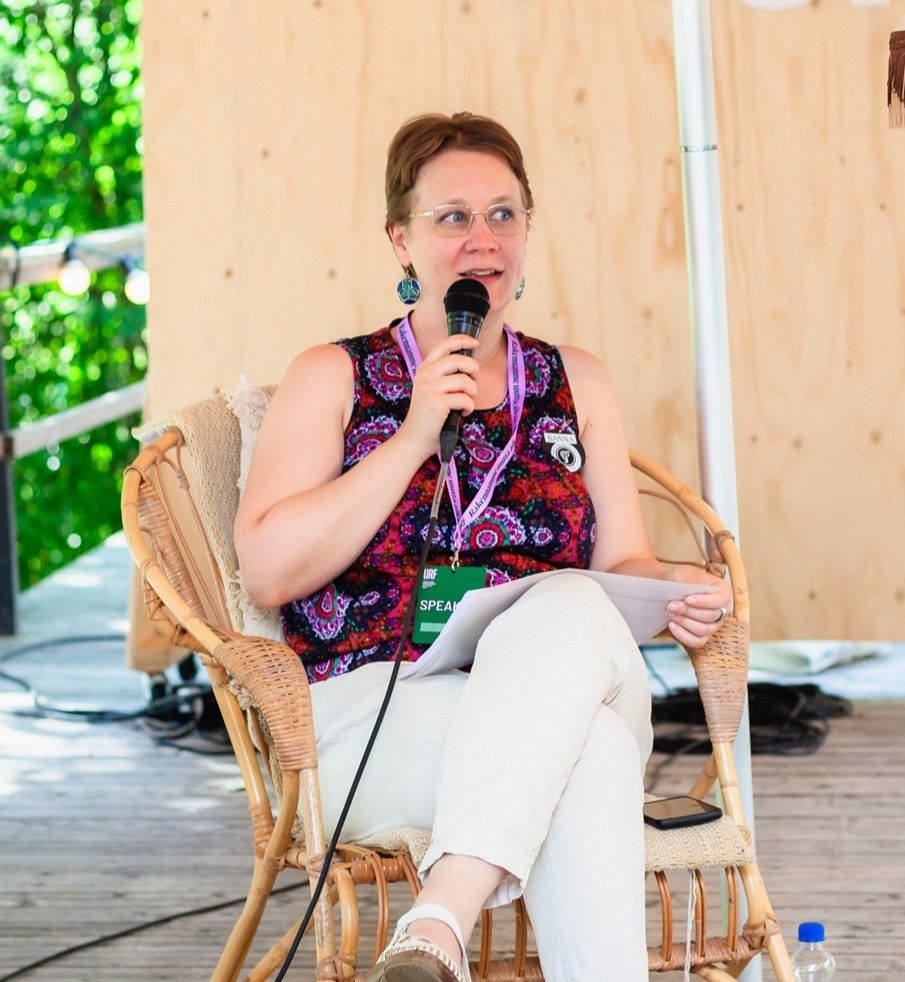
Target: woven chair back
[[196, 484], [211, 434]]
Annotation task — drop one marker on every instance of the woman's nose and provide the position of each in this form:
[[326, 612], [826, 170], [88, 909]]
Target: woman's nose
[[480, 232]]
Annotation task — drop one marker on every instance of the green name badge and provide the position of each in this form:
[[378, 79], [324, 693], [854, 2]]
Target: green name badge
[[439, 594]]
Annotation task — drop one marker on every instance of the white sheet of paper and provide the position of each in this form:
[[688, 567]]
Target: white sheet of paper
[[641, 601]]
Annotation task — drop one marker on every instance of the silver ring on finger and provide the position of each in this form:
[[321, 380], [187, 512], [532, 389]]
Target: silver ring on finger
[[723, 613]]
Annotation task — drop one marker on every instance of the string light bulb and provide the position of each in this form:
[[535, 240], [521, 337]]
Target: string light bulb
[[138, 284], [74, 277]]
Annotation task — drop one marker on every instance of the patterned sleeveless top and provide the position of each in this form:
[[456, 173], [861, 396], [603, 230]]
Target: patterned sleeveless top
[[540, 517]]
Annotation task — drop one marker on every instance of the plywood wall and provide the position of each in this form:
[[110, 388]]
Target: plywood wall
[[265, 134]]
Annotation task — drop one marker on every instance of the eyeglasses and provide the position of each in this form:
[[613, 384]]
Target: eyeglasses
[[456, 220]]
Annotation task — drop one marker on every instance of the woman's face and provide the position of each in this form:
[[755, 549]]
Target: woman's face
[[479, 180]]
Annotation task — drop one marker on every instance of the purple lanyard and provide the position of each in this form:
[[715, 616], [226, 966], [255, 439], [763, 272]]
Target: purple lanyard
[[412, 357]]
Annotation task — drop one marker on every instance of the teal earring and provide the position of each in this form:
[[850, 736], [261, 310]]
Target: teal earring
[[520, 289], [408, 289]]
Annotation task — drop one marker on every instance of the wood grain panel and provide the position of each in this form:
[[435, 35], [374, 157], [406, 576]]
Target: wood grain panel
[[192, 198], [815, 283], [266, 129]]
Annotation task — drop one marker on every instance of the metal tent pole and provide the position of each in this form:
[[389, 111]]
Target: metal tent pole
[[707, 292]]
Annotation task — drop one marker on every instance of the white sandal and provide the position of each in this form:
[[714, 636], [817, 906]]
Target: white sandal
[[412, 959]]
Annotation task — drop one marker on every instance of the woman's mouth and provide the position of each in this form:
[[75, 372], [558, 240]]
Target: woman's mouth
[[482, 274]]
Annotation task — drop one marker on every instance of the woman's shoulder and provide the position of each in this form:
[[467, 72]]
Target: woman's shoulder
[[582, 364], [574, 360], [326, 362], [578, 367], [365, 344], [592, 388], [329, 372], [336, 358]]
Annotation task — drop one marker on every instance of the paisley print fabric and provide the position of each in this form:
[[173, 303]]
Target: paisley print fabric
[[540, 517]]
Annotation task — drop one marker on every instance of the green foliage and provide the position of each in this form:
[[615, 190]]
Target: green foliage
[[70, 162]]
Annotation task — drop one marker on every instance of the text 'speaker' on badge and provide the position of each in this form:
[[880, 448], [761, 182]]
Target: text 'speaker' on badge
[[439, 593]]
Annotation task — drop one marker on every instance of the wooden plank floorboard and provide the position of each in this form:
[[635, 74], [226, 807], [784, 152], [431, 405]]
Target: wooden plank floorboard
[[829, 835], [103, 830]]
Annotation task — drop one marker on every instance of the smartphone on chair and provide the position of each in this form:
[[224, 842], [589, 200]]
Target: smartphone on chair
[[679, 812]]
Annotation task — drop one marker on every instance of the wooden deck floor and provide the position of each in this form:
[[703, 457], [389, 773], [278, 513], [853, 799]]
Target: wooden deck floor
[[100, 830]]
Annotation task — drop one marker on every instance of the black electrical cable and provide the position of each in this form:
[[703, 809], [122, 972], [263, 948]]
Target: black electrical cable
[[652, 779], [192, 912], [44, 710], [24, 649], [784, 719], [15, 680], [397, 662], [224, 749], [149, 714]]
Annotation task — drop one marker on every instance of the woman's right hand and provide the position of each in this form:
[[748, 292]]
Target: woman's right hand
[[445, 380]]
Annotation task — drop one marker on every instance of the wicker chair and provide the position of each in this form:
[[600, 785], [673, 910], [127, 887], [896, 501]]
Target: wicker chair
[[179, 499]]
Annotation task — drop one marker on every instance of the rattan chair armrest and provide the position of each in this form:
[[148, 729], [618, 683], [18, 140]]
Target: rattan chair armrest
[[275, 679], [721, 668]]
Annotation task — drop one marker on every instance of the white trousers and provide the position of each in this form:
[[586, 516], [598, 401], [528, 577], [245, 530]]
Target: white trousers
[[532, 762]]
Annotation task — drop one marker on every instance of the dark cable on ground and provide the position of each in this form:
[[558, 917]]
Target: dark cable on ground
[[652, 777], [24, 649], [783, 719], [85, 945], [193, 702]]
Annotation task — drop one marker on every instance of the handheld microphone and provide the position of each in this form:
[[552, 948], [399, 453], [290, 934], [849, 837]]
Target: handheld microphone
[[466, 304]]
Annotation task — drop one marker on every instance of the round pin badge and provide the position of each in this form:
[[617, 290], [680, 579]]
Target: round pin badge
[[566, 450]]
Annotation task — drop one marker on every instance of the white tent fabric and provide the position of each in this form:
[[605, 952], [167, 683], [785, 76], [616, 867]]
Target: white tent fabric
[[707, 291]]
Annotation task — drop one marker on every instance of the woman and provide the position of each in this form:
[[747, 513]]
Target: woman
[[529, 769]]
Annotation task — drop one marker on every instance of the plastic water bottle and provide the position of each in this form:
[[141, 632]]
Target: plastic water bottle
[[812, 960]]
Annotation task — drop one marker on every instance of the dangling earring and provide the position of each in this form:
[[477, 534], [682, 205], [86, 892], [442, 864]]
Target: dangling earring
[[408, 289], [520, 289]]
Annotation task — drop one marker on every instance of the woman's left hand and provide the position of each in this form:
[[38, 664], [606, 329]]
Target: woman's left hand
[[693, 620]]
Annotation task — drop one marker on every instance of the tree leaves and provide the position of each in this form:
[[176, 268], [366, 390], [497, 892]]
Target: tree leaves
[[70, 162]]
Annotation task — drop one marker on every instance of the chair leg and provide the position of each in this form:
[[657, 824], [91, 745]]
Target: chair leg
[[276, 956], [243, 932], [713, 974], [779, 958], [342, 891], [734, 969]]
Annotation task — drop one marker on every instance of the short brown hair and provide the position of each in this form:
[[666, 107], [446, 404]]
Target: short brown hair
[[423, 137]]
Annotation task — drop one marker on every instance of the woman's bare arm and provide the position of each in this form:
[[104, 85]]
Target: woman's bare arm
[[622, 544], [301, 521]]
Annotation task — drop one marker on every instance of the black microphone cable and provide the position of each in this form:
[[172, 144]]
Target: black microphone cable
[[397, 663], [466, 302]]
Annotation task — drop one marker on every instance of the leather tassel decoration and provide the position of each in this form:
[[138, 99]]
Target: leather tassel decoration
[[895, 87]]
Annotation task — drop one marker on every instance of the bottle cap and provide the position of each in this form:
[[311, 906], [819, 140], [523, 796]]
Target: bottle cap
[[811, 931]]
